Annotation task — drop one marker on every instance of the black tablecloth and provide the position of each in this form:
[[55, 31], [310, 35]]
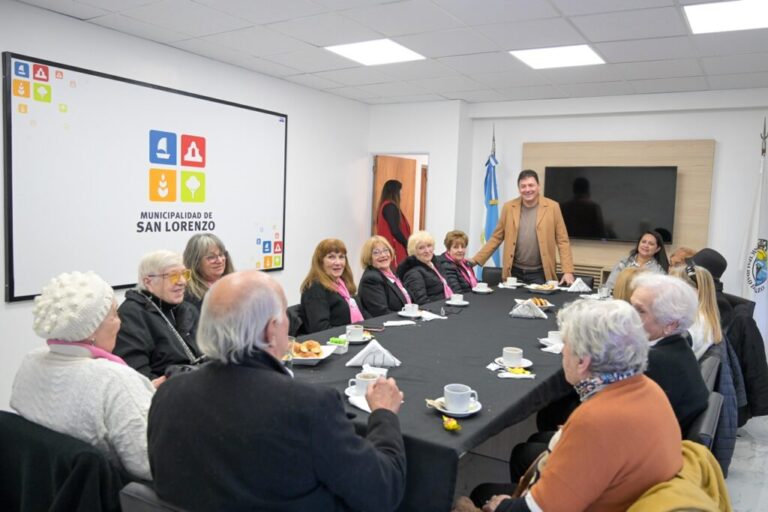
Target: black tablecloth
[[441, 352]]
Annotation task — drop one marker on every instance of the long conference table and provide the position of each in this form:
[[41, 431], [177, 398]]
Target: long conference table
[[441, 352]]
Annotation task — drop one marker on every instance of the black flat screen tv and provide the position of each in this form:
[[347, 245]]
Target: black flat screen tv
[[614, 203]]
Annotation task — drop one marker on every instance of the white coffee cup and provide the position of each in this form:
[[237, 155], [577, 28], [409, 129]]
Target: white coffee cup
[[512, 356], [361, 382], [555, 336], [603, 292], [458, 397], [511, 281], [481, 287], [354, 333], [411, 309], [457, 298]]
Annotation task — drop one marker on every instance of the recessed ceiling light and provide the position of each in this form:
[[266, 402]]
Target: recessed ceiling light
[[727, 16], [371, 53], [559, 57]]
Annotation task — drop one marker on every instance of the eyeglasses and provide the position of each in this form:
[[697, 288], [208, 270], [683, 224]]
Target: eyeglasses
[[213, 258], [379, 252], [175, 277]]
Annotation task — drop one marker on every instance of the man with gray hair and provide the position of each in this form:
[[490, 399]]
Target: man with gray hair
[[668, 307], [241, 434]]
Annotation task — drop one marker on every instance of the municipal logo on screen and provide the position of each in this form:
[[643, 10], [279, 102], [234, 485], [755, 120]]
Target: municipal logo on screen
[[757, 266]]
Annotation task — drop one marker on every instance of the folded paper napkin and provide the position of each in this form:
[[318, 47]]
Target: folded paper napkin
[[360, 402], [375, 355], [398, 323], [428, 315], [579, 286], [527, 309], [554, 347]]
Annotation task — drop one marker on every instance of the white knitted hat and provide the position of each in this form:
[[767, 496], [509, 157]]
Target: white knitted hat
[[72, 306]]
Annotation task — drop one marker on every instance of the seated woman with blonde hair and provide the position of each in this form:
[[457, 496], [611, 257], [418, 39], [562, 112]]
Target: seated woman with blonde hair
[[419, 271], [75, 385], [328, 291], [381, 292], [623, 288], [706, 330], [453, 266]]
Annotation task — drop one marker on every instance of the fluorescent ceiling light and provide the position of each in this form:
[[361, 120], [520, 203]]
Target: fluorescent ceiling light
[[371, 53], [559, 57], [727, 16]]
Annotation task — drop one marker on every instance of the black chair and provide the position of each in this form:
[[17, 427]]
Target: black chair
[[735, 301], [710, 369], [295, 317], [46, 470], [491, 275], [137, 497], [703, 428]]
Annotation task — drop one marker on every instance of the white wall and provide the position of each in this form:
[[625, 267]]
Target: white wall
[[328, 159]]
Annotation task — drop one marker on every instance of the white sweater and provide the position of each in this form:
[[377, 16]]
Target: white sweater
[[97, 401]]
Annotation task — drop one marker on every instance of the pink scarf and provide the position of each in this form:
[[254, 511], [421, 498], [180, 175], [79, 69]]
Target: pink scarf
[[392, 277], [446, 289], [464, 269], [354, 312], [95, 351]]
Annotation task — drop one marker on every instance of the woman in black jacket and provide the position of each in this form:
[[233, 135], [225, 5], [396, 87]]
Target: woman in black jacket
[[419, 271], [380, 290], [328, 291], [453, 266]]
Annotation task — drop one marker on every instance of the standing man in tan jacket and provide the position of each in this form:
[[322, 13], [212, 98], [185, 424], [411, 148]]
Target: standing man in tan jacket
[[530, 226]]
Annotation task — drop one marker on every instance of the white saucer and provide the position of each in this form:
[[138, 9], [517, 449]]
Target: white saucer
[[487, 290], [462, 303], [350, 392], [474, 407], [510, 286], [409, 315], [366, 339], [525, 363]]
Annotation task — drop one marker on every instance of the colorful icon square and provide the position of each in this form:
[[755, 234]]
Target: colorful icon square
[[277, 235], [267, 261], [41, 92], [40, 72], [63, 108], [258, 265], [278, 247], [192, 151], [23, 108], [258, 241], [277, 261], [162, 185], [192, 187], [266, 246], [21, 88], [58, 74], [162, 147], [21, 69]]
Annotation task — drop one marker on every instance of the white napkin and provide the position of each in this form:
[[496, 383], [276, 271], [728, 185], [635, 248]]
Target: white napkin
[[376, 355], [527, 309], [428, 315], [554, 347], [398, 323], [579, 286], [508, 375], [360, 402], [591, 296]]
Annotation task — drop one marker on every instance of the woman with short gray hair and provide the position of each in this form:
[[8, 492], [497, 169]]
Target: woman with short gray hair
[[158, 326], [622, 440]]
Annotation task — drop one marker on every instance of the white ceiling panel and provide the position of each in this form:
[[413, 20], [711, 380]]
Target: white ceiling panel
[[648, 49], [543, 92], [356, 76], [578, 7], [581, 74], [69, 8], [138, 28], [510, 79], [116, 5], [311, 61], [416, 69], [401, 18], [597, 89], [416, 98], [497, 11], [735, 64], [696, 83], [532, 34], [739, 81], [449, 84], [475, 96], [485, 63], [258, 41], [313, 81], [353, 92], [640, 24], [728, 43], [442, 43], [394, 89], [268, 68], [326, 30], [265, 11], [187, 17], [659, 69]]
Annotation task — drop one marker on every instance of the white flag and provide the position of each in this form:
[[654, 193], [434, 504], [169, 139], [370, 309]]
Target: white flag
[[754, 261]]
